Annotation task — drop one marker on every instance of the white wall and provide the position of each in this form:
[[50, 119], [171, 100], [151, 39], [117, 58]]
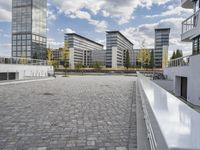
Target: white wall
[[192, 72], [27, 70], [71, 58], [114, 57]]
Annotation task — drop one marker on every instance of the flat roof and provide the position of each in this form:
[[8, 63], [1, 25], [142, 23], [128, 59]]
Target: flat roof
[[75, 34], [121, 35], [163, 29]]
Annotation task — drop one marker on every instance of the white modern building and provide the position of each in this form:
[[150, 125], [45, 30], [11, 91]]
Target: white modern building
[[80, 49], [116, 45], [22, 68], [185, 71]]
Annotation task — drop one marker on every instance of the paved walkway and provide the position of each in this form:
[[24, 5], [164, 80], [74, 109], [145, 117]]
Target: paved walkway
[[74, 113]]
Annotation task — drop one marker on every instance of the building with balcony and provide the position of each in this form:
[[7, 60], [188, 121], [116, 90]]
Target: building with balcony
[[80, 49], [185, 71], [116, 45], [29, 26], [191, 26], [161, 41]]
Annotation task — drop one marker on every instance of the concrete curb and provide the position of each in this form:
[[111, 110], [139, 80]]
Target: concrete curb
[[24, 81]]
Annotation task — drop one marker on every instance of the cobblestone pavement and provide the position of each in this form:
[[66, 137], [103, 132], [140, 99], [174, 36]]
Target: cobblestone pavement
[[73, 113]]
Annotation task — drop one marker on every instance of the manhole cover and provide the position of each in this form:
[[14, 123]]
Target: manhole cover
[[49, 94]]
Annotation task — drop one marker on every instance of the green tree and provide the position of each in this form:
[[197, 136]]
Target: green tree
[[97, 65], [55, 64], [127, 60], [173, 55], [151, 63], [179, 53], [78, 66]]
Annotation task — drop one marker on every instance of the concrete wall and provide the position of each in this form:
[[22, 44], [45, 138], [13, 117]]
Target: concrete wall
[[192, 72], [114, 57], [24, 71], [71, 58]]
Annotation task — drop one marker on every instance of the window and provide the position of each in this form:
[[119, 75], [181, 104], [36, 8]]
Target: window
[[196, 46]]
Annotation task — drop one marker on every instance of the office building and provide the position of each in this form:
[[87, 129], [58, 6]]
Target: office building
[[161, 41], [29, 26], [80, 49], [185, 71], [116, 45]]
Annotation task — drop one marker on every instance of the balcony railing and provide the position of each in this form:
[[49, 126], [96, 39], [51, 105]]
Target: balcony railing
[[190, 22], [22, 61], [182, 61]]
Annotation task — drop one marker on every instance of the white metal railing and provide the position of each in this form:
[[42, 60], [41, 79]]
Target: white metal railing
[[24, 61], [190, 22], [182, 61], [171, 124]]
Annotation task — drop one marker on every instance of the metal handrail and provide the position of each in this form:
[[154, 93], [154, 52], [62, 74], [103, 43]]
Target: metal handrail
[[190, 22], [22, 61], [181, 61]]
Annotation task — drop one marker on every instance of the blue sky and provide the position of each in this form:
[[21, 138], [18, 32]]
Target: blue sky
[[136, 19]]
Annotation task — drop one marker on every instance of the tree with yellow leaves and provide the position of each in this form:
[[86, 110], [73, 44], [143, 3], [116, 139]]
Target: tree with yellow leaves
[[49, 56], [23, 59], [143, 57], [65, 57]]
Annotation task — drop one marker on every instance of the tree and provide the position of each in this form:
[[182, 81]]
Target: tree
[[151, 63], [97, 65], [55, 64], [23, 59], [179, 53], [173, 55], [143, 56], [49, 56], [127, 60], [78, 66], [65, 57]]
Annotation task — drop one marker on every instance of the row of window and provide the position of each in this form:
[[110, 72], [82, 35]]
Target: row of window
[[28, 37], [196, 45]]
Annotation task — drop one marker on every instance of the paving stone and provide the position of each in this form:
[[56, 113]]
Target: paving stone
[[78, 113]]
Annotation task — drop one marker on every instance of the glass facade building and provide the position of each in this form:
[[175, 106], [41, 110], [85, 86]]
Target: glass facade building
[[161, 40], [116, 45], [29, 24]]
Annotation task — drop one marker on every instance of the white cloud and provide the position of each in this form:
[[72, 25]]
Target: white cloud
[[121, 11], [5, 49], [52, 43], [76, 12], [66, 30], [5, 11], [51, 15], [171, 11], [146, 32]]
